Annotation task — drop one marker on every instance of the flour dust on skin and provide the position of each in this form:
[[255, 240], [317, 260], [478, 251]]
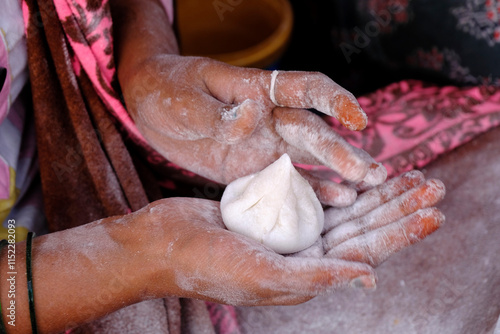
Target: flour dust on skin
[[276, 207]]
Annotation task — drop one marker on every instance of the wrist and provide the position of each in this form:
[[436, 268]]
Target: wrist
[[141, 30], [133, 258], [83, 273], [145, 80], [145, 236], [163, 230]]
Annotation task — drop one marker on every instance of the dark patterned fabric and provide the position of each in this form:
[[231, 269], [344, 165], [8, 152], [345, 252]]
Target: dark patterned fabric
[[455, 41]]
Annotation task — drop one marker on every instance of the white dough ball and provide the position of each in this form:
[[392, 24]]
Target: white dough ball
[[276, 207]]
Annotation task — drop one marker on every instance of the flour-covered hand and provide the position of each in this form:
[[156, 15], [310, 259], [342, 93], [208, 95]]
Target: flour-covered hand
[[384, 219], [195, 256], [225, 122]]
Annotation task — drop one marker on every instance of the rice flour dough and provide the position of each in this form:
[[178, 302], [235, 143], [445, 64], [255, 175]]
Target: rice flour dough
[[276, 207]]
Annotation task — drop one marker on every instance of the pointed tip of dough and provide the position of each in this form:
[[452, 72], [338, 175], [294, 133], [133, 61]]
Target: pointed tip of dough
[[284, 157], [276, 206], [284, 163]]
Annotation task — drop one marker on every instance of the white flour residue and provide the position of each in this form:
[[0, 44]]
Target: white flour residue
[[372, 199], [230, 114]]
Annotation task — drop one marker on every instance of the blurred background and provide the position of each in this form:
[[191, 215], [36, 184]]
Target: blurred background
[[361, 44]]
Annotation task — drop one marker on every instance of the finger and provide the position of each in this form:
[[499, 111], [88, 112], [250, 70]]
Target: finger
[[424, 196], [376, 246], [329, 192], [375, 176], [309, 133], [290, 89], [292, 278], [372, 199], [316, 90]]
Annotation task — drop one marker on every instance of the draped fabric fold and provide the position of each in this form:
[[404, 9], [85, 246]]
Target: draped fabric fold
[[74, 167]]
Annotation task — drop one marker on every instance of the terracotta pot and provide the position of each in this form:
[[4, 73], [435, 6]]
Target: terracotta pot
[[252, 33]]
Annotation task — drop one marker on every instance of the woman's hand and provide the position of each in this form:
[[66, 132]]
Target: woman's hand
[[201, 259], [382, 221], [172, 247], [221, 121], [195, 256], [179, 246]]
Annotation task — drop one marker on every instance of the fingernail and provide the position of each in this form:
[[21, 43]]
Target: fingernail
[[376, 175], [365, 282]]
